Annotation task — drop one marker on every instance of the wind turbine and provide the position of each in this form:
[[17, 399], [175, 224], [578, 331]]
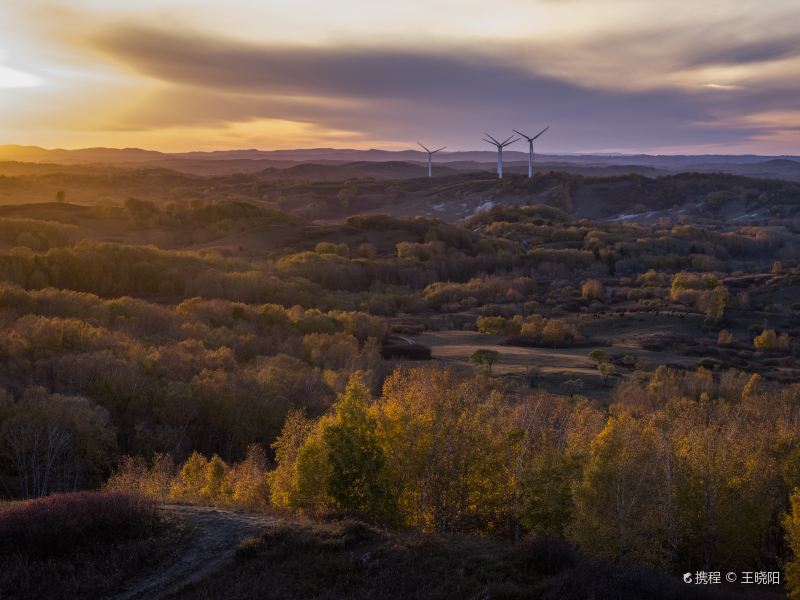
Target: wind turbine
[[430, 157], [530, 148], [500, 145]]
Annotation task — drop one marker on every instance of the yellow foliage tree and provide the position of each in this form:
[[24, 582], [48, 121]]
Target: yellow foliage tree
[[619, 502], [791, 525], [593, 289], [192, 477], [214, 487], [446, 450], [284, 479], [247, 480], [766, 341]]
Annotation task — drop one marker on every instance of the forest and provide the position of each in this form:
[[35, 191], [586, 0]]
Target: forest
[[627, 388]]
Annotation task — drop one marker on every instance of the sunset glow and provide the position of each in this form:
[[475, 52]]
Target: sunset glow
[[618, 75]]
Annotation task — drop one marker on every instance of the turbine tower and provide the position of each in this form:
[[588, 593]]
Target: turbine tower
[[530, 148], [430, 157], [500, 145]]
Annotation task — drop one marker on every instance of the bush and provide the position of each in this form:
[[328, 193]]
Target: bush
[[491, 325], [593, 290], [331, 248], [62, 523], [134, 475], [484, 290], [537, 329], [725, 338], [241, 485], [685, 286], [769, 341]]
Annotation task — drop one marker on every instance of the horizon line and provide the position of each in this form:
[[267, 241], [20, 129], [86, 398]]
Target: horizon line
[[393, 151]]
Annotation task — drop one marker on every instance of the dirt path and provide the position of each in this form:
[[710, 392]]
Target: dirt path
[[216, 537]]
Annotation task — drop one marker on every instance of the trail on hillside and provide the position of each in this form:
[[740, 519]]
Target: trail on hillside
[[217, 535]]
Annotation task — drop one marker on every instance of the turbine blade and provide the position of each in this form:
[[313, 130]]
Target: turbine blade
[[507, 143], [491, 138], [542, 131], [439, 150], [523, 135], [426, 150], [508, 138], [490, 142]]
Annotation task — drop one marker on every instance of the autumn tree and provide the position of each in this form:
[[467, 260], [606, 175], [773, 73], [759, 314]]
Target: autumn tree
[[593, 289], [791, 525], [247, 480], [446, 450], [335, 462], [604, 367], [214, 487], [766, 341], [284, 480], [192, 476], [491, 325], [548, 445], [620, 500], [357, 480], [484, 357], [54, 443], [724, 468], [714, 303]]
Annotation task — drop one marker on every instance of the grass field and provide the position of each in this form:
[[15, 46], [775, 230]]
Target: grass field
[[559, 369]]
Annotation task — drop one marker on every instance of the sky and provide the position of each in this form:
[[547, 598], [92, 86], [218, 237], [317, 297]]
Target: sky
[[654, 76]]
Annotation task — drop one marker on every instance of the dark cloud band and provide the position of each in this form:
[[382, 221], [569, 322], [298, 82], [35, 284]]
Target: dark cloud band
[[395, 93]]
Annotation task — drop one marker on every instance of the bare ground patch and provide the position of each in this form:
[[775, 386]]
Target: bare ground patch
[[217, 536]]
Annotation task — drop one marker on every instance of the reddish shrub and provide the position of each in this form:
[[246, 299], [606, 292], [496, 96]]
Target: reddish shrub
[[62, 523]]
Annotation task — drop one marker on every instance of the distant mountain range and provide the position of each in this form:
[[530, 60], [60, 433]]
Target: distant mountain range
[[401, 164]]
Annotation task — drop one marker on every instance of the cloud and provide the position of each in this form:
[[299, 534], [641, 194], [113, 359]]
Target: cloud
[[733, 51], [617, 75], [14, 78], [450, 94]]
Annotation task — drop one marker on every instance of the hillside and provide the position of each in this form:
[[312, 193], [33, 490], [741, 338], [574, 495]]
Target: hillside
[[246, 161], [206, 552], [293, 348], [333, 192]]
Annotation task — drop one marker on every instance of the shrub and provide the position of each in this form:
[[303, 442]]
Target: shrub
[[330, 248], [247, 480], [769, 341], [491, 325], [192, 477], [598, 356], [685, 286], [549, 332], [62, 523], [593, 290], [367, 250], [215, 486], [491, 289], [725, 338], [713, 303], [379, 222], [241, 485], [153, 481]]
